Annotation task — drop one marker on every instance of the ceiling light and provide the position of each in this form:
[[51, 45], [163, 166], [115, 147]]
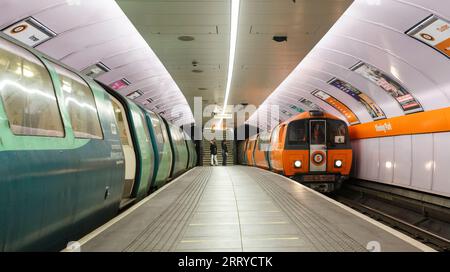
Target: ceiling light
[[233, 39], [197, 71]]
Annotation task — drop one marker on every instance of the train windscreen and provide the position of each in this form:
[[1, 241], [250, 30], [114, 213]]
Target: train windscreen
[[337, 134], [297, 134]]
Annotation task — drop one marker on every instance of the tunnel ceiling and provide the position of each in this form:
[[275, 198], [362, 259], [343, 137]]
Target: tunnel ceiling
[[383, 58], [261, 63], [88, 32]]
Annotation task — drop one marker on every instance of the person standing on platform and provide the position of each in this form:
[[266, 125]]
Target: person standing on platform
[[213, 150], [224, 152]]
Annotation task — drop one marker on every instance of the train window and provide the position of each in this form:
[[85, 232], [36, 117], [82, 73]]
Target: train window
[[122, 122], [275, 134], [157, 127], [297, 133], [145, 128], [27, 93], [337, 133], [80, 103], [164, 130], [317, 132], [263, 141]]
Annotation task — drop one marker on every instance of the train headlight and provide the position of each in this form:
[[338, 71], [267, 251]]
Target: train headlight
[[297, 164], [338, 163]]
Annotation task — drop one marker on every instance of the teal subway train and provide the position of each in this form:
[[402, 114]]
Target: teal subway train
[[73, 152]]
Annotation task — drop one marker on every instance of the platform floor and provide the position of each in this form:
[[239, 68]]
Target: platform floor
[[239, 208]]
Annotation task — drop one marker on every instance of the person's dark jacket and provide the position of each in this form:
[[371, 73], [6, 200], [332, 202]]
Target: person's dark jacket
[[213, 149], [224, 147]]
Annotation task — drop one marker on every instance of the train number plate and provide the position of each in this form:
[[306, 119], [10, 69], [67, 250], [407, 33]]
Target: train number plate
[[310, 178]]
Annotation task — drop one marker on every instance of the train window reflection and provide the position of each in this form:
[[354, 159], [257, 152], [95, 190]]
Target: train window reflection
[[27, 93], [80, 104]]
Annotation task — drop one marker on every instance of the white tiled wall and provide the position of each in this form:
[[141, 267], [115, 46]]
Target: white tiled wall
[[420, 162]]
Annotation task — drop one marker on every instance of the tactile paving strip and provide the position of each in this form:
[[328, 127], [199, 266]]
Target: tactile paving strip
[[163, 233], [314, 227]]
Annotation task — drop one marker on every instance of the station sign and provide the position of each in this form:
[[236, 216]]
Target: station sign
[[338, 105], [372, 108], [30, 32], [433, 31], [405, 99]]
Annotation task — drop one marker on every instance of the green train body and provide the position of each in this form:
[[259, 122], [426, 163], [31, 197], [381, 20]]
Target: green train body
[[162, 149], [180, 160], [65, 165]]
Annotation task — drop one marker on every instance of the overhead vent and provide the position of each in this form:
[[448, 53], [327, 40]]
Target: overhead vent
[[280, 38], [186, 38], [202, 89], [197, 71]]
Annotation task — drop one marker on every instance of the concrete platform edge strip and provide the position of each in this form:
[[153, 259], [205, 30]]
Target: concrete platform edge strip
[[392, 231], [116, 219]]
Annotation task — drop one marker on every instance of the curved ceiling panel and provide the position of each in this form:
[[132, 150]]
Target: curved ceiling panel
[[369, 43], [89, 32]]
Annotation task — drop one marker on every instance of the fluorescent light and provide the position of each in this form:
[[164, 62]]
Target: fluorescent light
[[233, 39]]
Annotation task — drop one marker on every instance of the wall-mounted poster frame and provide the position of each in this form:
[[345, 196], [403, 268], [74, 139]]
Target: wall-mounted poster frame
[[405, 99], [338, 105], [434, 32], [372, 108]]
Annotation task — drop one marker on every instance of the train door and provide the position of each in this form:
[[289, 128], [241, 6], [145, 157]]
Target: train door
[[127, 146], [317, 147]]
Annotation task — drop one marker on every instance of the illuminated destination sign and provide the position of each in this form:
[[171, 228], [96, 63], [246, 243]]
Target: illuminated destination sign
[[30, 32], [407, 102], [373, 109], [433, 31]]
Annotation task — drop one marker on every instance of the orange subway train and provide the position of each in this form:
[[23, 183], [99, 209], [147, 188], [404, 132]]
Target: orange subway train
[[312, 148]]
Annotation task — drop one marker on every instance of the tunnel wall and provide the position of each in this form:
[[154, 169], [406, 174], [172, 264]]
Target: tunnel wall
[[418, 162]]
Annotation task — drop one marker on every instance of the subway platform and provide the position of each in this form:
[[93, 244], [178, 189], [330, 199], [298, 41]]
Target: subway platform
[[242, 209]]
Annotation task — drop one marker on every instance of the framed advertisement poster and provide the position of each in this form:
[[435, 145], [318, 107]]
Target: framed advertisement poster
[[434, 32], [404, 98], [372, 108], [338, 105]]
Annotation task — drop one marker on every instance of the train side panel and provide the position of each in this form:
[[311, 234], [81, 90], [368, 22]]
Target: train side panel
[[54, 186], [145, 152]]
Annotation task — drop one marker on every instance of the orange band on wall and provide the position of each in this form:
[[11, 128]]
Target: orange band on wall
[[417, 123]]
